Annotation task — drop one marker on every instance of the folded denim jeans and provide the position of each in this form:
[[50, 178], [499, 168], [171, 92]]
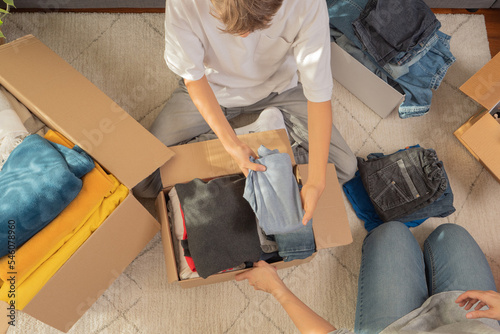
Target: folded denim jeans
[[442, 207], [363, 206], [388, 27], [415, 72], [296, 245], [403, 182]]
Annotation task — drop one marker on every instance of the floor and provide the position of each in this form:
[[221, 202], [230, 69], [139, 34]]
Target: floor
[[492, 17]]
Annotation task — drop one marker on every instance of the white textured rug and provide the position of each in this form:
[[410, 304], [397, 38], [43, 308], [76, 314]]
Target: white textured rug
[[123, 55]]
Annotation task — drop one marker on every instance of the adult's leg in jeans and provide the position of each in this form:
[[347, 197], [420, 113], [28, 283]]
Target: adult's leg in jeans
[[179, 121], [454, 261], [293, 104], [391, 279]]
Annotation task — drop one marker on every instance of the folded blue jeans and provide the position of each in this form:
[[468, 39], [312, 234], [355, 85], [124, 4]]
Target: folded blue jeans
[[389, 27], [363, 206], [296, 245], [403, 182], [415, 72], [274, 194], [442, 207]]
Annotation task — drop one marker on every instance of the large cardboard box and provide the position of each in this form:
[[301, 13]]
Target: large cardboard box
[[67, 102], [382, 98], [481, 133], [209, 159]]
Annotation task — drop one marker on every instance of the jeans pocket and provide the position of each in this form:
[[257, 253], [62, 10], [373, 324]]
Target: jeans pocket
[[392, 186]]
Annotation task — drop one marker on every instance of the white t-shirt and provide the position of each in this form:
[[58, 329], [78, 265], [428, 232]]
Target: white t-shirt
[[242, 71]]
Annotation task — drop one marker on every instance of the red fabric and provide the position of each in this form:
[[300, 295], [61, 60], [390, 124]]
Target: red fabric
[[189, 259]]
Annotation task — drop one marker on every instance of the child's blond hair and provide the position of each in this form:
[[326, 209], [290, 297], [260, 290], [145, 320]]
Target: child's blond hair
[[244, 16]]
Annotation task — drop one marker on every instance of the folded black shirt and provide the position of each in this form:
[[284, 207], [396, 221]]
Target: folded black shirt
[[220, 224]]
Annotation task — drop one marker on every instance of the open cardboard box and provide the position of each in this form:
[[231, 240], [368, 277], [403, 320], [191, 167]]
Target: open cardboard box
[[70, 104], [481, 133], [209, 159], [379, 96]]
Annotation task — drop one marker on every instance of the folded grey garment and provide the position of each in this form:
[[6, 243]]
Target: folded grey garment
[[177, 226], [32, 123], [267, 246], [220, 224]]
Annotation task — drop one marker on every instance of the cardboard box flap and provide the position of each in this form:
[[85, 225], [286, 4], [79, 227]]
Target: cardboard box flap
[[209, 158], [69, 103], [364, 84], [483, 139], [167, 239], [484, 86], [93, 268], [330, 223]]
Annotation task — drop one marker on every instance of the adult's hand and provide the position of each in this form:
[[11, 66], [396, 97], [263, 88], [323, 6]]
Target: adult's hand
[[263, 277], [310, 195], [482, 298], [241, 153]]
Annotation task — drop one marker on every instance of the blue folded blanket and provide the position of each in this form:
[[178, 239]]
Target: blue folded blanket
[[37, 182]]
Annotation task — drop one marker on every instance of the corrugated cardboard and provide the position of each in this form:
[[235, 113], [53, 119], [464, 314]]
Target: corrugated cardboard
[[481, 133], [364, 84], [484, 86], [66, 101], [210, 159]]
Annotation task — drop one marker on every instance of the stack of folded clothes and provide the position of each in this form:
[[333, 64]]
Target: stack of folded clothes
[[55, 196], [215, 228], [399, 41], [409, 186]]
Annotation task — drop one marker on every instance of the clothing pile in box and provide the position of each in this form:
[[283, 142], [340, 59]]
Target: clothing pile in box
[[53, 196], [399, 41], [228, 223], [409, 186]]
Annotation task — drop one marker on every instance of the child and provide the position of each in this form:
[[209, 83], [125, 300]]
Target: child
[[242, 56]]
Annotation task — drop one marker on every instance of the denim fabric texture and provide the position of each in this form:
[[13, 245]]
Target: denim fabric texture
[[442, 207], [395, 278], [403, 182], [274, 194], [415, 72], [220, 224], [296, 245], [388, 27], [363, 206]]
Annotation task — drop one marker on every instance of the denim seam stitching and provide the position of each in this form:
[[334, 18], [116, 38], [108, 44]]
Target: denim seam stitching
[[431, 257]]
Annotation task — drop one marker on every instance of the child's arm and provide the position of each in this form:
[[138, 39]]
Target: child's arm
[[204, 99], [319, 127]]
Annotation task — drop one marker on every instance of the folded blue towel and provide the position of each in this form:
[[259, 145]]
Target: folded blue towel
[[38, 180]]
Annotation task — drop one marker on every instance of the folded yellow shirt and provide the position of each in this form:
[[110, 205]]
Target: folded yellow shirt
[[34, 282], [50, 248], [96, 185]]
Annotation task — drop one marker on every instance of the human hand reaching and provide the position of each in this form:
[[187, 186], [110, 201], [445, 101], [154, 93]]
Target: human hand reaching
[[241, 153], [310, 194], [263, 277], [482, 298]]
